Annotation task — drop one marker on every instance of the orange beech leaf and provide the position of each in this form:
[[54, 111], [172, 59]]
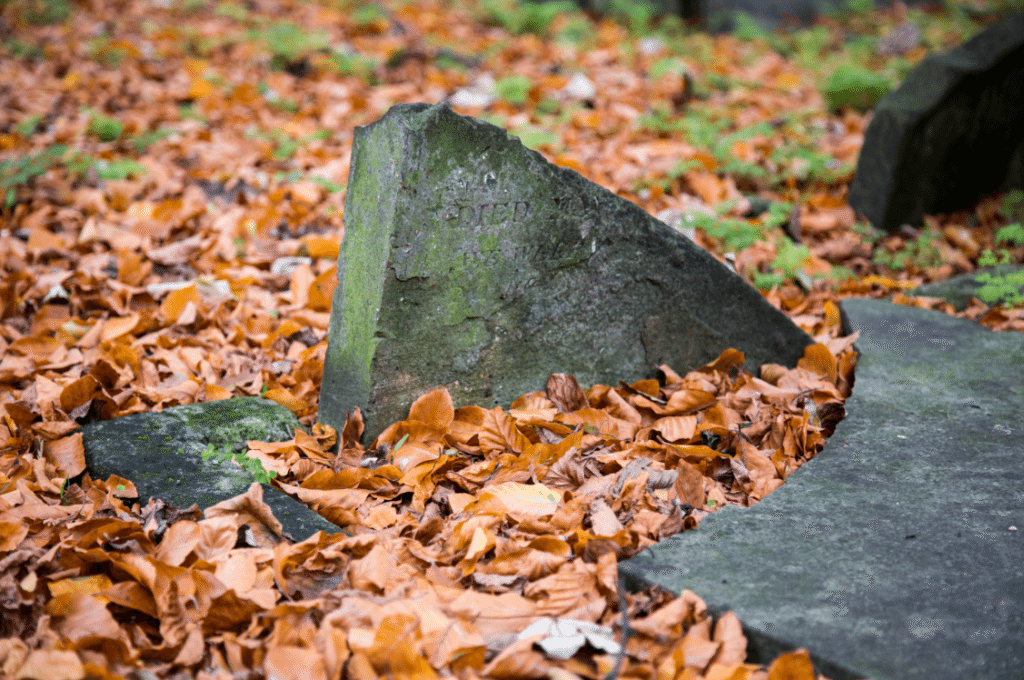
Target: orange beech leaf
[[215, 393], [600, 421], [499, 433], [11, 535], [820, 360], [698, 652], [526, 500], [289, 662], [199, 89], [67, 455], [321, 290], [378, 572], [725, 361], [35, 348], [729, 632], [78, 392], [795, 665], [320, 247], [673, 619], [689, 485], [176, 301], [285, 398], [566, 394], [677, 428], [40, 239], [434, 408], [53, 664]]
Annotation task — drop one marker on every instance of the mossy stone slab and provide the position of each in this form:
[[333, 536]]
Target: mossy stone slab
[[959, 290], [469, 262], [895, 554], [161, 453]]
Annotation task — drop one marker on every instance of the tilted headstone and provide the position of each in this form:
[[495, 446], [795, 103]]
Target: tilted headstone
[[951, 133], [470, 262]]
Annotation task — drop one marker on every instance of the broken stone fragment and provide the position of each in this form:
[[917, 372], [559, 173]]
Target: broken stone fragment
[[471, 263]]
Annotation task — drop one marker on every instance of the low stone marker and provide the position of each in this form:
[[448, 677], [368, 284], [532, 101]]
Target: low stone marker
[[951, 133], [469, 262], [896, 553], [161, 453]]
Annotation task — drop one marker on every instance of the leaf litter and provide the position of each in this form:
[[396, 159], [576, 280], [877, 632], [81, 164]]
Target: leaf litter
[[173, 183]]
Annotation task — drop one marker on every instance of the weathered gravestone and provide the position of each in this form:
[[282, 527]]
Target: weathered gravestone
[[470, 262], [162, 454], [951, 133], [896, 553]]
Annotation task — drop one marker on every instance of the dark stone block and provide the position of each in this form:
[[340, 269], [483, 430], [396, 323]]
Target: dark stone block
[[952, 133]]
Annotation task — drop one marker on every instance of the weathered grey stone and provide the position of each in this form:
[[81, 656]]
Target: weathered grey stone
[[896, 552], [959, 290], [470, 262], [161, 453], [951, 133]]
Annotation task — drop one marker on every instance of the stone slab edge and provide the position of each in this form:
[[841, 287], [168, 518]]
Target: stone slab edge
[[861, 586]]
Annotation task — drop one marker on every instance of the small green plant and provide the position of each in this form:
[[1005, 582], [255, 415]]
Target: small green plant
[[1011, 233], [527, 17], [513, 89], [250, 465], [922, 251], [746, 27], [368, 15], [19, 171], [142, 142], [43, 12], [735, 235], [636, 15], [854, 87], [120, 168], [1006, 290], [534, 137], [1013, 205], [355, 65], [288, 43], [232, 10], [189, 112], [106, 128], [28, 127]]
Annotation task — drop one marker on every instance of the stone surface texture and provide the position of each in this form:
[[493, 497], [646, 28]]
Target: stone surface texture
[[161, 453], [951, 133], [896, 552], [470, 262]]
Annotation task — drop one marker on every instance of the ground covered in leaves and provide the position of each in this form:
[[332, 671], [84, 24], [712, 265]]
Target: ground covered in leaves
[[172, 179]]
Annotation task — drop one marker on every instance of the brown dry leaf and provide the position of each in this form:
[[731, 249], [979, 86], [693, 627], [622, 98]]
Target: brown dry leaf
[[565, 393]]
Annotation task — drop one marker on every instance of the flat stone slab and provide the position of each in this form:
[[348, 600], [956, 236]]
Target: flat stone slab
[[471, 263], [162, 454], [896, 553], [923, 150], [959, 290]]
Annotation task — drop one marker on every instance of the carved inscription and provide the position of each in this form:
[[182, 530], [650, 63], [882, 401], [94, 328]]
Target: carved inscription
[[464, 214]]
